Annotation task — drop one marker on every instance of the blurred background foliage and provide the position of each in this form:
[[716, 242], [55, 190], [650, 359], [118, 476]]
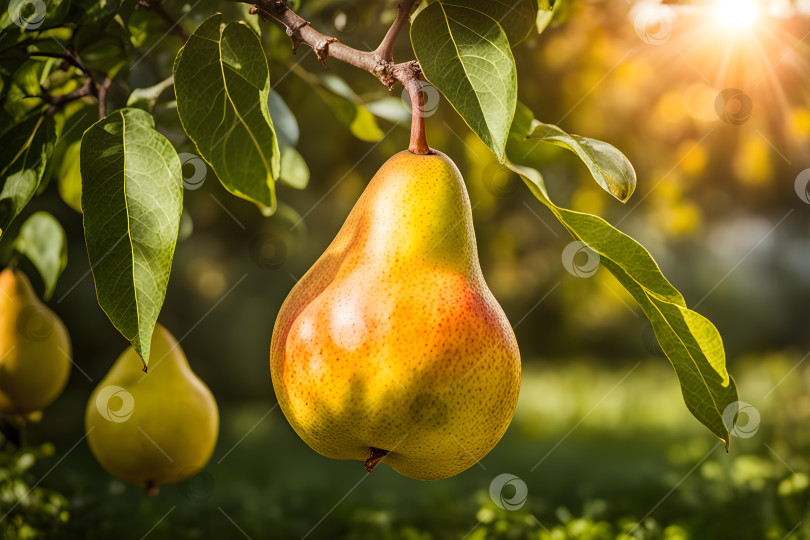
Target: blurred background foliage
[[601, 437]]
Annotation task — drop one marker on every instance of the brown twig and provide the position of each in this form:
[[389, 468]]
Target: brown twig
[[385, 51], [157, 7], [378, 62], [102, 96], [87, 89], [56, 102]]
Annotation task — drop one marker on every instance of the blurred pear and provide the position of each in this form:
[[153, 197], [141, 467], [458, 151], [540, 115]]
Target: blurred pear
[[34, 350], [156, 428]]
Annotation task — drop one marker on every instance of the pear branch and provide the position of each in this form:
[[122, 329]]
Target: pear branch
[[385, 51], [378, 62]]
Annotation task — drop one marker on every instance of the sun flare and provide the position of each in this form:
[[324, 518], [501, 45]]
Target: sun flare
[[737, 14]]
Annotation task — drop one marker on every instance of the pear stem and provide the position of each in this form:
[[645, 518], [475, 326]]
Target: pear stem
[[152, 488], [377, 455], [419, 144]]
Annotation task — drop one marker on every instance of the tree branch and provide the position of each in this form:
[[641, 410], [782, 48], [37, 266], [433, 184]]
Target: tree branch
[[56, 102], [378, 62], [68, 59], [385, 51], [102, 97]]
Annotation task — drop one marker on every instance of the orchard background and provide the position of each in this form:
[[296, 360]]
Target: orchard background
[[714, 116]]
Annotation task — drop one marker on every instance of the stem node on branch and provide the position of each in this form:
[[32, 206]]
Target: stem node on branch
[[322, 49], [294, 32]]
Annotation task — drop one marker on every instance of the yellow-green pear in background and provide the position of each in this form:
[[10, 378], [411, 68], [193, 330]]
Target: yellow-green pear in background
[[34, 349], [155, 428], [391, 347]]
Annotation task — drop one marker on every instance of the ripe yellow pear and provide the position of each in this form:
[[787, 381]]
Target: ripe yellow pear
[[391, 347], [155, 428], [34, 349]]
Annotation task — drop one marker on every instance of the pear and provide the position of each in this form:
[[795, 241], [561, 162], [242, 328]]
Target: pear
[[391, 347], [155, 428], [34, 350]]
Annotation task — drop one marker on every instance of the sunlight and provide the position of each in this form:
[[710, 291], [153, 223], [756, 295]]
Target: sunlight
[[737, 14]]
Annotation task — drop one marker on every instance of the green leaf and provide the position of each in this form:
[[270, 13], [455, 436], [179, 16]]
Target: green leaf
[[132, 200], [24, 152], [95, 12], [466, 55], [283, 120], [609, 167], [43, 241], [21, 15], [391, 109], [222, 85], [106, 56], [21, 101], [348, 107], [69, 177], [690, 341], [145, 98], [516, 17], [64, 162], [358, 119], [294, 170]]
